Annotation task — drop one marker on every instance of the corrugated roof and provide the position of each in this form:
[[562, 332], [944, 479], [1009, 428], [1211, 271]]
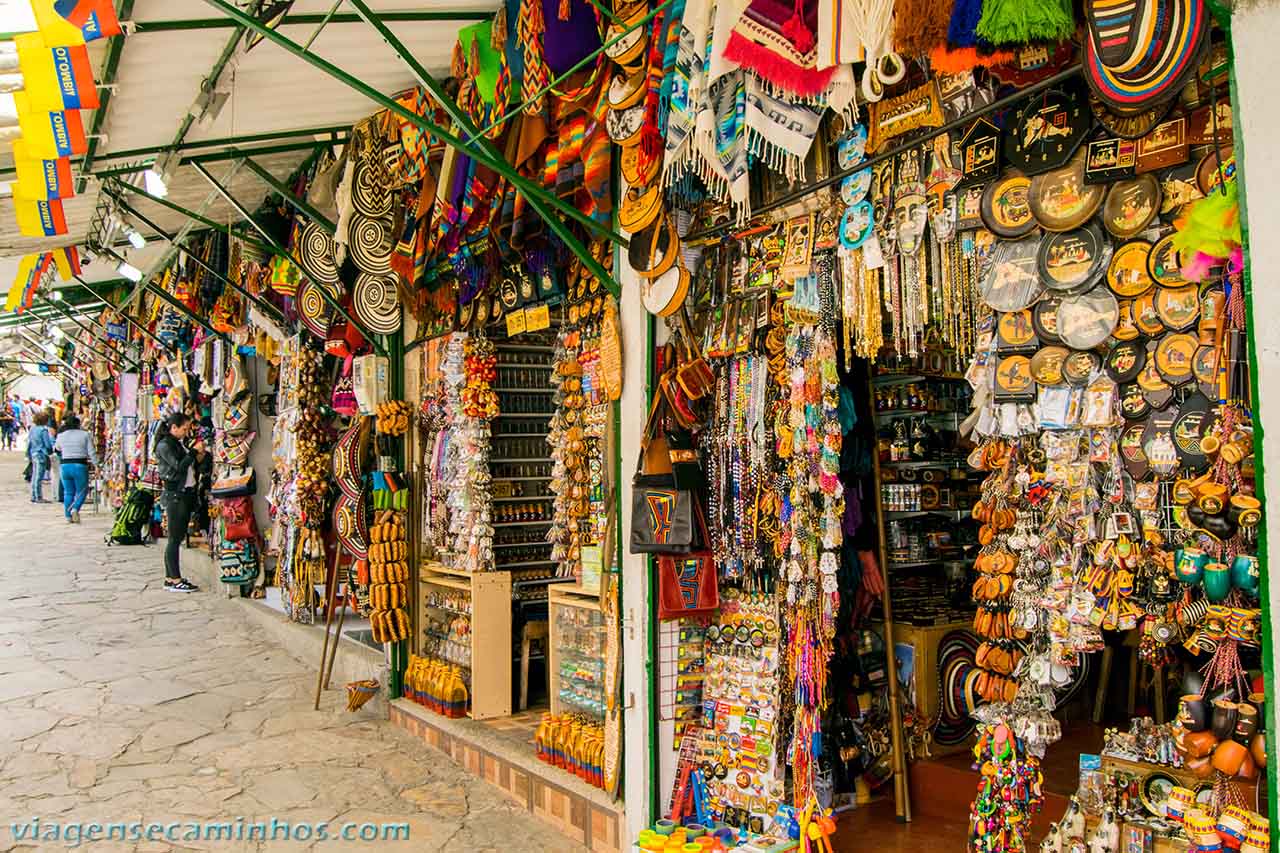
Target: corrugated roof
[[159, 77]]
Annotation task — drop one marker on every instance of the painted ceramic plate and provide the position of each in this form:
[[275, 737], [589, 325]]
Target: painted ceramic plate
[[1175, 357], [1164, 264], [1046, 365], [1013, 377], [1044, 316], [1178, 307], [1012, 282], [1133, 404], [1073, 262], [1126, 359], [1086, 321], [1145, 316], [1208, 174], [1127, 273], [1125, 329], [1155, 792], [1006, 208], [1131, 450], [1060, 200], [1131, 205], [1015, 330], [1079, 367]]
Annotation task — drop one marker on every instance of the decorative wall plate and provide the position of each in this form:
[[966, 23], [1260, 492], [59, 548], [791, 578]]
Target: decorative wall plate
[[1178, 186], [1006, 207], [1211, 172], [1145, 316], [1155, 792], [1085, 321], [1128, 126], [1079, 367], [1175, 357], [980, 153], [1131, 205], [1154, 388], [1205, 367], [1046, 365], [1188, 429], [1165, 146], [1013, 378], [1044, 316], [1012, 282], [1127, 273], [1048, 129], [1108, 159], [1133, 403], [1126, 329], [1132, 451], [1061, 200], [1178, 307], [1072, 262], [1126, 359], [1014, 331], [1164, 263]]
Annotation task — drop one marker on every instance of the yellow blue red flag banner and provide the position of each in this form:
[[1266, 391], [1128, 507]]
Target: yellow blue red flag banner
[[41, 178], [50, 134], [39, 218], [71, 22], [56, 78]]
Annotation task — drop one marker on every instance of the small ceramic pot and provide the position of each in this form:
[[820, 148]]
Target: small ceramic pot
[[1259, 701], [1228, 757], [1257, 841], [1244, 625], [1244, 573], [1246, 723], [1179, 802], [1193, 713], [1200, 828], [1217, 581], [1245, 510], [1188, 564], [1222, 722]]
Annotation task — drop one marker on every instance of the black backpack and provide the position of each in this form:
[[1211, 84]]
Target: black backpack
[[133, 520]]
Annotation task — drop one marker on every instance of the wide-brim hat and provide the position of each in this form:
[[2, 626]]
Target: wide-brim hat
[[958, 696], [1142, 52]]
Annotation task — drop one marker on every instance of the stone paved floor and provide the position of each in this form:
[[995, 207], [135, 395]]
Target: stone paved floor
[[120, 702]]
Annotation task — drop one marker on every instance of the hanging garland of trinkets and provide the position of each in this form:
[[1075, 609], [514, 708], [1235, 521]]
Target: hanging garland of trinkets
[[470, 366]]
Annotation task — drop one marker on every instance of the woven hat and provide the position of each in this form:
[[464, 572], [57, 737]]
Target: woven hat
[[370, 244], [375, 303], [1142, 52], [958, 695], [315, 254], [312, 309]]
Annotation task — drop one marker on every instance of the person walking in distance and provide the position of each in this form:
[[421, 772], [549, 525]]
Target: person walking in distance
[[74, 447], [177, 462], [39, 446]]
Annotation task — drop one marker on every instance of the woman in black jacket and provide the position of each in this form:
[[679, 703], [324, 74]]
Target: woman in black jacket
[[178, 466]]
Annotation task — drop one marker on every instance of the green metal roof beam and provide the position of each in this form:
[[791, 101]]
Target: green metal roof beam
[[544, 204], [189, 214], [97, 331], [213, 157], [143, 27], [184, 310], [296, 203], [539, 199], [266, 307], [110, 356], [123, 314], [324, 291], [109, 67]]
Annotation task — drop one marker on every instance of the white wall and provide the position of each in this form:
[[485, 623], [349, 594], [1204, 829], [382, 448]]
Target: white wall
[[1255, 30]]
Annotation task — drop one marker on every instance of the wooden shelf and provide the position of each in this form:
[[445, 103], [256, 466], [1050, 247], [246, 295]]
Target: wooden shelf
[[490, 629], [574, 596]]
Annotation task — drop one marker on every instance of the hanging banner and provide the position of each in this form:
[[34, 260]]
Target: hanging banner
[[67, 262], [37, 218], [71, 22], [26, 267], [50, 134], [41, 178], [56, 78]]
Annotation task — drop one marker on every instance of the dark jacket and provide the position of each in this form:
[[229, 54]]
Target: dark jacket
[[173, 460]]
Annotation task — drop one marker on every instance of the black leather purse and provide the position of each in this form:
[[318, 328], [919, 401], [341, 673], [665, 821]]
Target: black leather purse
[[665, 518]]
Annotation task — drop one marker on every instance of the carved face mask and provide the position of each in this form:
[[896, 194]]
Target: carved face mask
[[910, 216]]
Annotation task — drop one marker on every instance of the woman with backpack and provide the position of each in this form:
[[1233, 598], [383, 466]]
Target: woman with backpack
[[74, 448], [39, 446]]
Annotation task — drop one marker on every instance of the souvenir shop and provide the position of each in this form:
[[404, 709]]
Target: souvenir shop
[[959, 329]]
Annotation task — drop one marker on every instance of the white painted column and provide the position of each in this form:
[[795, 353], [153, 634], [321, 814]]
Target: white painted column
[[1255, 31]]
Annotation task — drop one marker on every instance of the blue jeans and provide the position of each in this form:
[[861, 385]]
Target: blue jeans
[[39, 467], [75, 486]]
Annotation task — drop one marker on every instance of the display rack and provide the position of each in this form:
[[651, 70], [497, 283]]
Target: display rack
[[489, 613], [575, 654]]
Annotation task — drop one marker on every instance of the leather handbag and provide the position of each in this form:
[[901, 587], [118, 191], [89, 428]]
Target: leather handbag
[[238, 522], [236, 483], [687, 586], [665, 519]]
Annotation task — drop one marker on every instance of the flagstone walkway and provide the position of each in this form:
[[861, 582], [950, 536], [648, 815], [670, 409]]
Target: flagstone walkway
[[122, 703]]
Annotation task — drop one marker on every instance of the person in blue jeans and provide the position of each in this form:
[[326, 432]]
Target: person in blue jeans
[[74, 447], [39, 446]]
